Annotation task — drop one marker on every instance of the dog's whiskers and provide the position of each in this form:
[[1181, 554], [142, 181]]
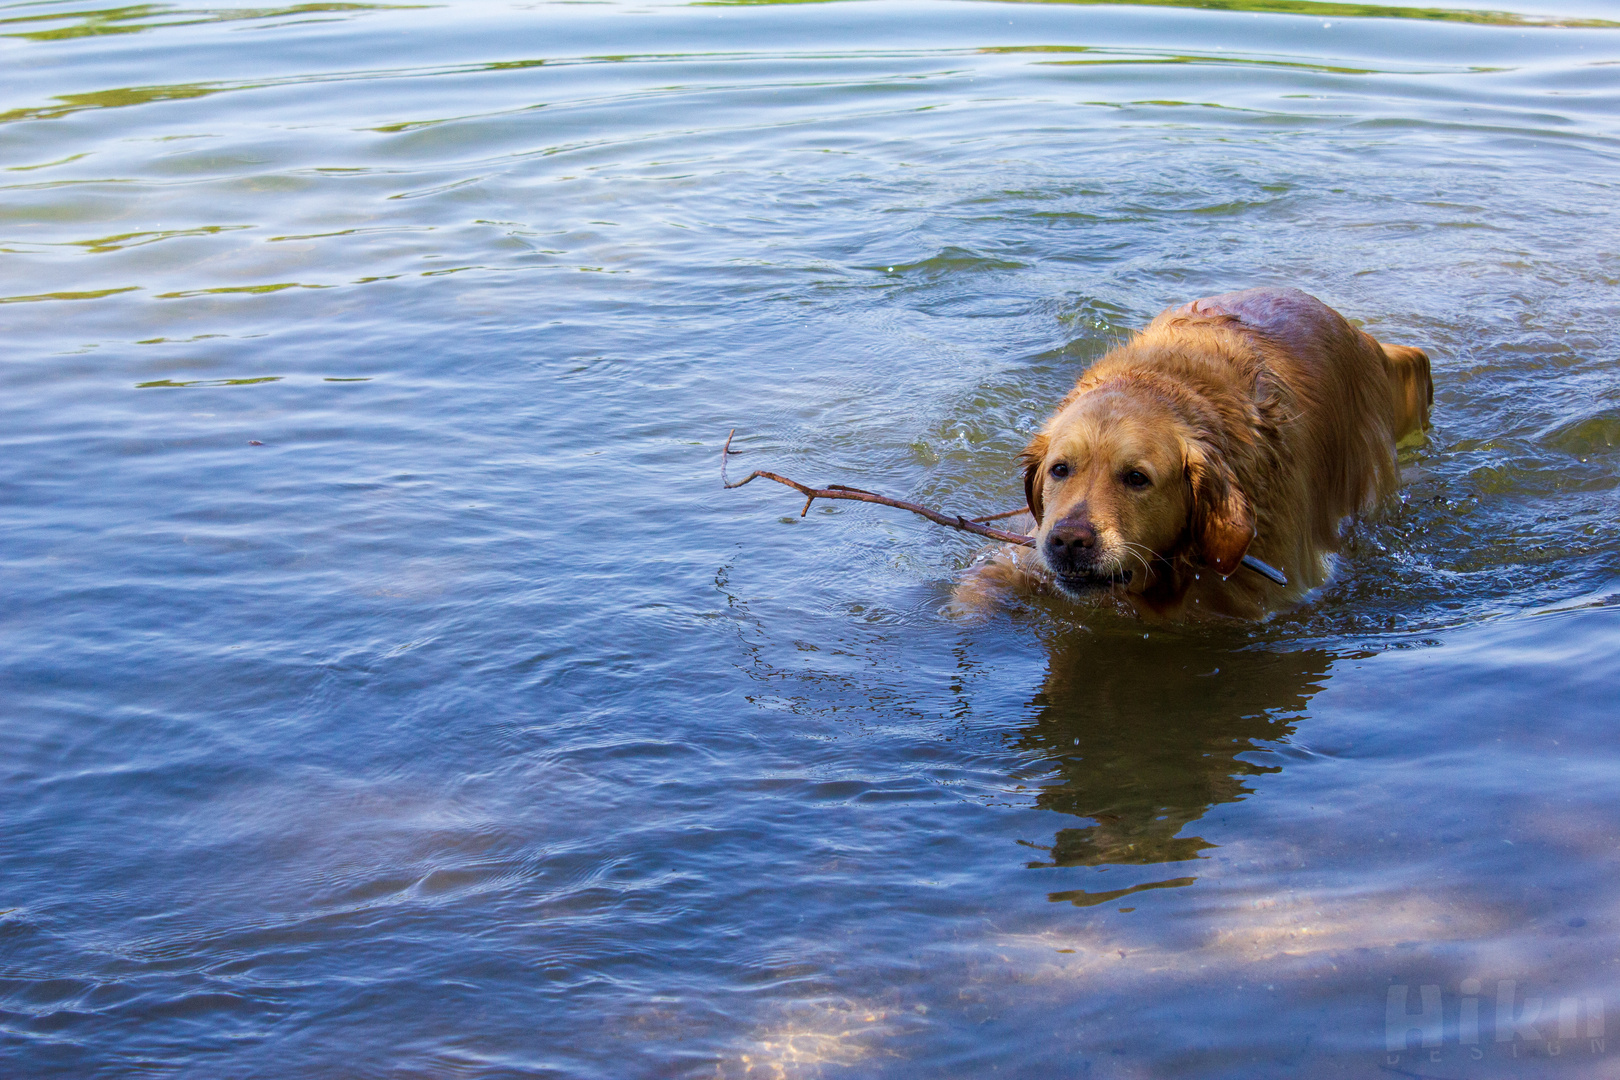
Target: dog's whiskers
[[1135, 551]]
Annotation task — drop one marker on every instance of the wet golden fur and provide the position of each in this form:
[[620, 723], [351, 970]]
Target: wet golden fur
[[1250, 423]]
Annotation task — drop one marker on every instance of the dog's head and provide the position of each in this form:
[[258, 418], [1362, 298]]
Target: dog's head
[[1119, 482]]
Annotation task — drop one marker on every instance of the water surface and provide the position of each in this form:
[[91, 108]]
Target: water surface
[[391, 690]]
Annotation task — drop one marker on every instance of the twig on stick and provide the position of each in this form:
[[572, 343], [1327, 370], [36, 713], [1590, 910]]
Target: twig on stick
[[841, 491], [1003, 514]]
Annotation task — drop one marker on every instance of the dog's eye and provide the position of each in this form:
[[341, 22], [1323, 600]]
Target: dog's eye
[[1060, 470], [1136, 478]]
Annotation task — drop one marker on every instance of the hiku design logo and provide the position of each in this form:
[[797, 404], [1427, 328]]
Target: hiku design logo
[[1531, 1026]]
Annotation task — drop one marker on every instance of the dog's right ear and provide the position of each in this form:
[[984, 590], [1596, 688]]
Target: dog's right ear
[[1033, 457], [1222, 520]]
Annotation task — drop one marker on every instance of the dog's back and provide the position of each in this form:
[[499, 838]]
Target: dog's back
[[1302, 325]]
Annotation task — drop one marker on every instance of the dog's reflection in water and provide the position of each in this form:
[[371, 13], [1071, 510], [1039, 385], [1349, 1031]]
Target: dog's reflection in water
[[1146, 735]]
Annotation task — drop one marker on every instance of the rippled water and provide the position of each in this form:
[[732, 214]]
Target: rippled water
[[390, 689]]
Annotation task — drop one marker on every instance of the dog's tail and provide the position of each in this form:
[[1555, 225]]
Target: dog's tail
[[1410, 387]]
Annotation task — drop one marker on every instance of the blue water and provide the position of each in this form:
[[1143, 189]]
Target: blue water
[[390, 689]]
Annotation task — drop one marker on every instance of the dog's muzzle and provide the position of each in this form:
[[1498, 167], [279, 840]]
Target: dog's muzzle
[[1080, 584], [1070, 552]]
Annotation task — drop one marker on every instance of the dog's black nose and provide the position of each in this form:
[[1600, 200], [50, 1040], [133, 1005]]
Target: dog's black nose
[[1070, 544], [1072, 535]]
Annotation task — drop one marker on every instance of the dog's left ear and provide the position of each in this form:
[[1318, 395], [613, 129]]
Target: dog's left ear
[[1033, 457], [1222, 520]]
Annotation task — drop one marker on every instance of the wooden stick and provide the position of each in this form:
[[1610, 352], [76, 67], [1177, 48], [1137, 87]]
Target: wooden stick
[[950, 521], [1003, 514], [1266, 570], [842, 491]]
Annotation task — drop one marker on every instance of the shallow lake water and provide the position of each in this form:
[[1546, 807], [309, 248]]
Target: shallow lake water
[[390, 689]]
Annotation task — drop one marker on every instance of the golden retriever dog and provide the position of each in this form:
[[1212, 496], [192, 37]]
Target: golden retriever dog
[[1231, 437]]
